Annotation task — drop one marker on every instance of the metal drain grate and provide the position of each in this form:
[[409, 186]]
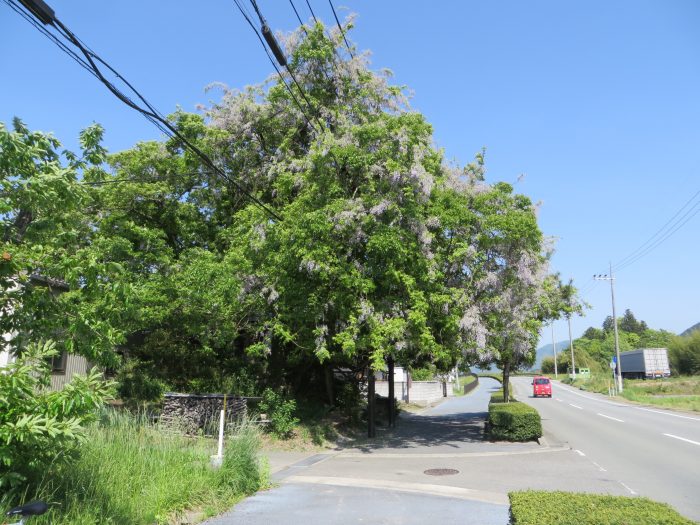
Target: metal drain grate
[[441, 471]]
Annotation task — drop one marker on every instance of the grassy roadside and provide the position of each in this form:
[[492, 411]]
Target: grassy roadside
[[682, 393], [462, 381], [131, 471]]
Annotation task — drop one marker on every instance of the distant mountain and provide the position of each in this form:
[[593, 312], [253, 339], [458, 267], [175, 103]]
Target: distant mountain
[[546, 351], [696, 326]]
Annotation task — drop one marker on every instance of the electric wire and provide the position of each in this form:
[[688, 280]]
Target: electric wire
[[289, 70], [88, 62], [662, 234], [682, 221], [312, 11], [274, 64], [335, 15], [40, 27]]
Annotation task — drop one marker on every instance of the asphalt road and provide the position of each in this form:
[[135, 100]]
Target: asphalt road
[[648, 451]]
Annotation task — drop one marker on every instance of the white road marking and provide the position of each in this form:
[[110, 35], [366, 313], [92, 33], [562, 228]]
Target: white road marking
[[682, 439], [668, 413], [576, 406], [599, 467], [580, 453], [557, 399], [610, 417], [626, 405], [629, 489]]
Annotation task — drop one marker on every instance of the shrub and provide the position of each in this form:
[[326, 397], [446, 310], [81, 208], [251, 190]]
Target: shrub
[[422, 374], [40, 427], [563, 508], [280, 412], [514, 421]]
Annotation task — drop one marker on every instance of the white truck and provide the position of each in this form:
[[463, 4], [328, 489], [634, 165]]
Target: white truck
[[645, 363]]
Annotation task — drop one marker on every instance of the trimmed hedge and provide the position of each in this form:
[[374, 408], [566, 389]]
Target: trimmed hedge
[[514, 421], [564, 508]]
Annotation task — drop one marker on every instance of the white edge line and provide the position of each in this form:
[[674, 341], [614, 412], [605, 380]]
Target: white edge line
[[575, 406], [610, 417], [629, 489], [579, 453], [626, 405], [682, 439], [599, 467]]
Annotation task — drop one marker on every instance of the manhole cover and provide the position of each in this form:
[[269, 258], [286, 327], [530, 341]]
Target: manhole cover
[[441, 471]]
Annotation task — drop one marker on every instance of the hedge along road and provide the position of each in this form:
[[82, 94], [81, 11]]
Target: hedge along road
[[649, 451], [384, 480]]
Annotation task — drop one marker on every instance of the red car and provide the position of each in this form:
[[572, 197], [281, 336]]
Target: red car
[[541, 386]]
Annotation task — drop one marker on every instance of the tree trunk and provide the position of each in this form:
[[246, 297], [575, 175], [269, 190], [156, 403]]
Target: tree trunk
[[391, 391], [371, 430], [328, 372], [506, 382]]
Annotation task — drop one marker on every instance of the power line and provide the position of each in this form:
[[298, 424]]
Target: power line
[[89, 60], [312, 11], [272, 42], [279, 73], [341, 29], [668, 229]]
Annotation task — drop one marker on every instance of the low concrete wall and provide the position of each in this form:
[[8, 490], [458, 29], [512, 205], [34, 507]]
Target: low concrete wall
[[471, 386], [200, 413], [422, 392]]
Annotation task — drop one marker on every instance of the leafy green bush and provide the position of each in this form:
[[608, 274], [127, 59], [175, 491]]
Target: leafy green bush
[[280, 412], [514, 421], [564, 508], [40, 427], [422, 374]]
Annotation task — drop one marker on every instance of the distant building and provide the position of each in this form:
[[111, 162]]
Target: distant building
[[63, 366]]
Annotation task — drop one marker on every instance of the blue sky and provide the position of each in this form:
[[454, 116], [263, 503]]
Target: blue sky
[[595, 102]]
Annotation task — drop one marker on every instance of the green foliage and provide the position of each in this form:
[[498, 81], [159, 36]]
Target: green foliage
[[129, 471], [684, 353], [422, 374], [241, 471], [512, 421], [40, 427], [566, 508], [280, 412]]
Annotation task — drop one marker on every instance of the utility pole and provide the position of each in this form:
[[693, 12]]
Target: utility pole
[[610, 278], [571, 347], [554, 345]]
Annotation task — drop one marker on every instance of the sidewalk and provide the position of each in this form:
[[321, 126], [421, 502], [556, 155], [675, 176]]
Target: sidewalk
[[385, 480]]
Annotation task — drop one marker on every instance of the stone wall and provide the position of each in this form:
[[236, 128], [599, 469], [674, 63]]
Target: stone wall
[[200, 413]]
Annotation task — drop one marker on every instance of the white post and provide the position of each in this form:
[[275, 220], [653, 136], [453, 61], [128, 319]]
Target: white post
[[221, 435]]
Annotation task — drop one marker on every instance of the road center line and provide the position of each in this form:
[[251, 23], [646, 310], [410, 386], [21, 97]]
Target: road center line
[[575, 406], [682, 439], [610, 417]]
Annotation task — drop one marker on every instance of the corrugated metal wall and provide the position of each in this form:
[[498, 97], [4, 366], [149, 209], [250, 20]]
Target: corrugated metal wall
[[75, 364]]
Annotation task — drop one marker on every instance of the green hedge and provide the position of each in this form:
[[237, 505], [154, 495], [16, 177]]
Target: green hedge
[[514, 421], [564, 508]]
